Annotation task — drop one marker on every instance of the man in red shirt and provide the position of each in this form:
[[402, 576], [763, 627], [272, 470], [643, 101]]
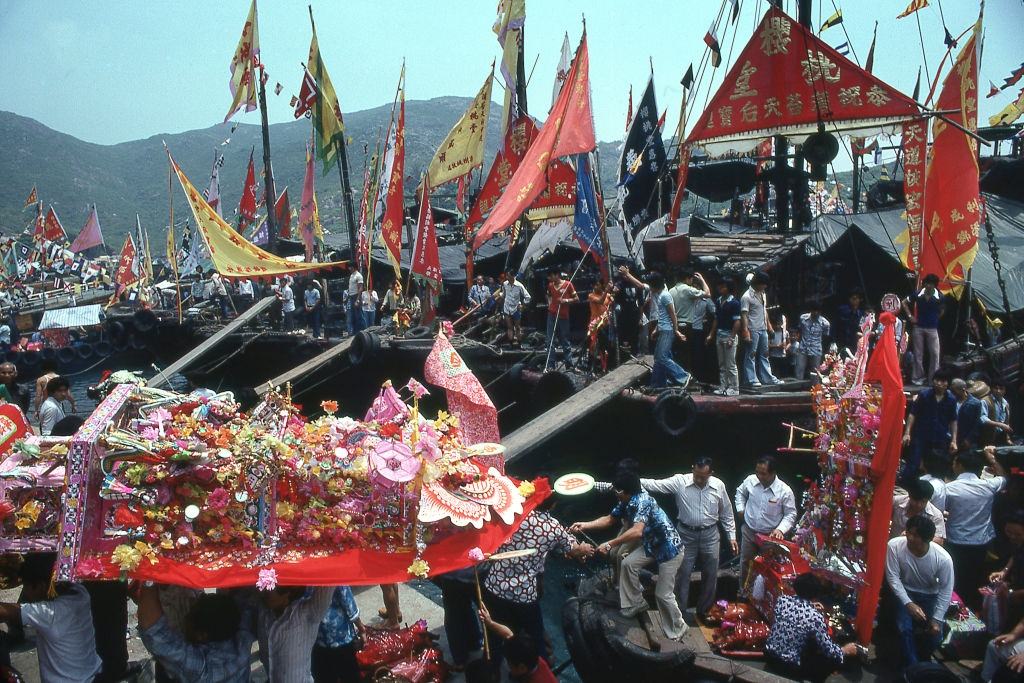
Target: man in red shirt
[[561, 294]]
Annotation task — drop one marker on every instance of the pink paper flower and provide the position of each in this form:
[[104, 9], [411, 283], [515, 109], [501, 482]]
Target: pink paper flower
[[476, 555], [417, 389], [149, 433], [267, 580], [90, 567], [218, 499], [387, 406], [392, 462]]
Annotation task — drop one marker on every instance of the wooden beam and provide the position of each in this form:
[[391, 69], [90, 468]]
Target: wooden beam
[[198, 352], [572, 410], [306, 367]]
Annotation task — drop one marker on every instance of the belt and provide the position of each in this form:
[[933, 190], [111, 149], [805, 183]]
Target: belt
[[689, 527]]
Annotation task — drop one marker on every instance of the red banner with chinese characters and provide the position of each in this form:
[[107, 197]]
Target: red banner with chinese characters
[[125, 274], [559, 195], [569, 129], [426, 263], [394, 208], [952, 203], [786, 80], [52, 229], [247, 205], [518, 138], [915, 152]]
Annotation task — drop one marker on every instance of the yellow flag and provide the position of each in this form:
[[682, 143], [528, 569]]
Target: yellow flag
[[172, 249], [243, 66], [327, 119], [234, 256], [1010, 112], [463, 149]]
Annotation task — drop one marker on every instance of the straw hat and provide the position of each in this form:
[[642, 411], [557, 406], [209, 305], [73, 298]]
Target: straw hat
[[977, 388]]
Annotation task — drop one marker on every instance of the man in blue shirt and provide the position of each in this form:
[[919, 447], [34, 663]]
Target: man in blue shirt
[[930, 424], [666, 371], [969, 411], [334, 654], [216, 646], [660, 547], [725, 332], [925, 314], [849, 318]]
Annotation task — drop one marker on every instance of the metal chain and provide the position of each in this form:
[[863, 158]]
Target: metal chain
[[997, 266]]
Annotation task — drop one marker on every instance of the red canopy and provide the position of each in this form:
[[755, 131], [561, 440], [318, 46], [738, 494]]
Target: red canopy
[[784, 81]]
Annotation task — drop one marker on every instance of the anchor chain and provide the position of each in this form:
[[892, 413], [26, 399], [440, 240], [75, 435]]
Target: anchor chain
[[997, 266]]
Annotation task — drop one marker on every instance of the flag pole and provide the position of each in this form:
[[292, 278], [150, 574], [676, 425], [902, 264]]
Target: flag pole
[[268, 170], [170, 229]]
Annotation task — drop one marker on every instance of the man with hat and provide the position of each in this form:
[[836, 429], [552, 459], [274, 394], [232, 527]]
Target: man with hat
[[924, 310], [968, 416]]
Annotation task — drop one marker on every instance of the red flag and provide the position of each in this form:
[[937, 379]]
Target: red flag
[[32, 198], [478, 418], [126, 274], [629, 109], [52, 229], [952, 202], [91, 235], [460, 194], [677, 200], [308, 95], [711, 40], [883, 367], [307, 207], [39, 226], [568, 130], [394, 207], [283, 215], [518, 138], [247, 205], [425, 260]]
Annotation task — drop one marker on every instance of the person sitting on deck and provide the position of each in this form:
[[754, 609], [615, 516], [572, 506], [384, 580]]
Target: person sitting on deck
[[799, 646], [930, 424], [969, 411], [915, 500], [58, 390], [920, 575], [661, 547], [1004, 658]]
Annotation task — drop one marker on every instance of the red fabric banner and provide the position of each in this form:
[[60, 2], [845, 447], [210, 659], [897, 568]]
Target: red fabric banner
[[13, 426], [883, 367], [91, 235], [787, 78], [677, 201], [52, 229], [283, 214], [247, 205], [558, 193], [518, 138], [352, 567], [568, 130], [915, 153], [952, 202], [125, 274], [426, 262], [394, 208], [467, 398], [307, 208]]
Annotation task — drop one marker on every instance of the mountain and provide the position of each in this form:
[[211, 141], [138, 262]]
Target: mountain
[[131, 177]]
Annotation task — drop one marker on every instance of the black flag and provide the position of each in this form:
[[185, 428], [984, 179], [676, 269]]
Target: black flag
[[642, 161], [687, 81], [948, 40], [917, 86]]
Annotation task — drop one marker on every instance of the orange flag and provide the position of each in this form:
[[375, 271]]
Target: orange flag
[[952, 202], [394, 206], [568, 130]]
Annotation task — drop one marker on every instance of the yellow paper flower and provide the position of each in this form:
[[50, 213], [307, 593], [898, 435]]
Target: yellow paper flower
[[526, 489], [126, 557], [285, 511], [146, 551], [419, 568]]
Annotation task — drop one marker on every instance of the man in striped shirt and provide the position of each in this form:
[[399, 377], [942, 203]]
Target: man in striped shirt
[[287, 626]]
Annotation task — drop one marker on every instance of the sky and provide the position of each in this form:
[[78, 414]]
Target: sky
[[119, 70]]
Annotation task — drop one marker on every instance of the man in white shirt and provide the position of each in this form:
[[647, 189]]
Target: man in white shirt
[[687, 295], [756, 328], [920, 574], [969, 528], [368, 300], [220, 293], [52, 410], [354, 319], [513, 297], [936, 464], [911, 502], [65, 638], [246, 293], [702, 502], [287, 624], [766, 505], [287, 297]]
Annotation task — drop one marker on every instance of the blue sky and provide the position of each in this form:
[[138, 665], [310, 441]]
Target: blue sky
[[118, 70]]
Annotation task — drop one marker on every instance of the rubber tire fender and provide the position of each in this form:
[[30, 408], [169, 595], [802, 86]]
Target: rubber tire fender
[[365, 346], [580, 644], [84, 351], [145, 321], [419, 332], [674, 412], [66, 355], [653, 667], [103, 348]]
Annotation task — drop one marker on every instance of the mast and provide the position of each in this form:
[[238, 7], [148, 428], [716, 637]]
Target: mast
[[343, 174], [268, 170]]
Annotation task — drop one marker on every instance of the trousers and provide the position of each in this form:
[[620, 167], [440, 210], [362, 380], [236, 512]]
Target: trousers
[[804, 362], [558, 328], [756, 369], [700, 549], [666, 370], [725, 345], [631, 594], [906, 626], [925, 339], [748, 550]]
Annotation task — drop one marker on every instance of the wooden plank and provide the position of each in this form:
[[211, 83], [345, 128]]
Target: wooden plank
[[199, 351], [572, 410], [306, 367]]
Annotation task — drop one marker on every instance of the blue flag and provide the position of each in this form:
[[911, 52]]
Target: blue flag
[[586, 226]]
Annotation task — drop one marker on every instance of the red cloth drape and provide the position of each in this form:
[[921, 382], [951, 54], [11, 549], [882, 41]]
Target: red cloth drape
[[347, 568], [883, 367]]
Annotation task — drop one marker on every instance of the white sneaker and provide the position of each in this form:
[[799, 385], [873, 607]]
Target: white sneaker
[[731, 392], [721, 391]]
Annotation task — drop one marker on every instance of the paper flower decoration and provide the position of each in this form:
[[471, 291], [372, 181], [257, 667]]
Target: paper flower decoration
[[419, 568], [417, 389], [387, 406], [476, 555], [392, 462], [330, 407], [526, 489], [267, 580], [218, 499], [90, 567]]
